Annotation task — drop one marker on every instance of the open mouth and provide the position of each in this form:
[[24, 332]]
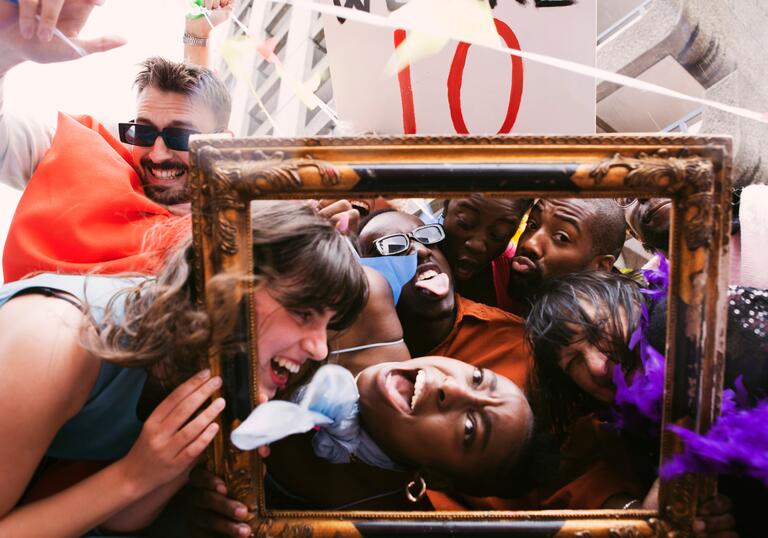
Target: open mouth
[[281, 369], [465, 268], [433, 282], [404, 388], [163, 172]]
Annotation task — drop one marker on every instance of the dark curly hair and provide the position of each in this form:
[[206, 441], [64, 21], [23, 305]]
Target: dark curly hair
[[596, 306]]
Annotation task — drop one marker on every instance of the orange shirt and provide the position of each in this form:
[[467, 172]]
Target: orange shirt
[[594, 466], [488, 337]]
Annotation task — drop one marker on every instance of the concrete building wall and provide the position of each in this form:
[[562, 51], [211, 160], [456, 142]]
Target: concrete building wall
[[300, 46], [718, 44]]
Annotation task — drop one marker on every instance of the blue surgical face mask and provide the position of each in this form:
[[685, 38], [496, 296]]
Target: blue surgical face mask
[[398, 270]]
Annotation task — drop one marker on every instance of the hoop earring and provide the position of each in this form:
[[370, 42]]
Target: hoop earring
[[416, 489]]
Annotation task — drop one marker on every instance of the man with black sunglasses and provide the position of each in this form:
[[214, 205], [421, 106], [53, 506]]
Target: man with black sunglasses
[[121, 192], [435, 319], [175, 101]]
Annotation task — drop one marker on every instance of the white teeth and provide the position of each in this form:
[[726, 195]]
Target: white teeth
[[426, 275], [417, 386], [288, 364], [166, 173]]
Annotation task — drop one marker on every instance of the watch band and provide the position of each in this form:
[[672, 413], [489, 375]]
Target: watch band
[[190, 39]]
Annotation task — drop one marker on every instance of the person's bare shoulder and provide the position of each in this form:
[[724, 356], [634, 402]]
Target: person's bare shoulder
[[379, 319], [379, 292], [378, 323], [46, 379], [41, 345]]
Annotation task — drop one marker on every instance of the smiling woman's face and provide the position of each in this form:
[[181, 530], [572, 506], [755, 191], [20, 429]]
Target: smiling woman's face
[[286, 339], [590, 368], [444, 415], [590, 364]]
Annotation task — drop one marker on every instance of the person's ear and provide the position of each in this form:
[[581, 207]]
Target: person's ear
[[603, 262]]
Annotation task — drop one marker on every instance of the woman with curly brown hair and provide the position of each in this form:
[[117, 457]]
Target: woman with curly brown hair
[[76, 352]]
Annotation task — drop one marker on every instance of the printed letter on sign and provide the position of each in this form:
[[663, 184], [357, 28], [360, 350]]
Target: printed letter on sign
[[457, 73]]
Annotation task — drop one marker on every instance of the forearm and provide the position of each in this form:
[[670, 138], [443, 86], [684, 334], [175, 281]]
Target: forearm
[[24, 140], [143, 512], [77, 509], [197, 54], [10, 37]]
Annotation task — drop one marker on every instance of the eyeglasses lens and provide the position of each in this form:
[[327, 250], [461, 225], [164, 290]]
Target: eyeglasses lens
[[429, 235], [137, 134], [177, 138], [395, 244]]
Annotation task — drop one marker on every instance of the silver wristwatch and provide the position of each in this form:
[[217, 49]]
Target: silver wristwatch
[[190, 39]]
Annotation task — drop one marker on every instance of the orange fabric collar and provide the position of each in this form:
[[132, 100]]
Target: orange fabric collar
[[84, 210], [467, 307]]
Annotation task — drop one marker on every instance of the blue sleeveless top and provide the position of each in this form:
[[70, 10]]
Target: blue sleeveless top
[[106, 427]]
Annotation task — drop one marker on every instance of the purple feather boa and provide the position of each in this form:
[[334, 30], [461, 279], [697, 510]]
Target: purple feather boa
[[637, 404], [736, 444]]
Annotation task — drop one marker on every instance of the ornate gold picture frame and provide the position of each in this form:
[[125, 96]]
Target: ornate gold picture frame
[[694, 172]]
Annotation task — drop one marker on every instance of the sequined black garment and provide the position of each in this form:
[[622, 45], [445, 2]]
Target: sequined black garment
[[747, 339], [746, 352]]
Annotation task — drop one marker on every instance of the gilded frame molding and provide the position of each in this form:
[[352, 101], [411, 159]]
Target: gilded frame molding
[[694, 171]]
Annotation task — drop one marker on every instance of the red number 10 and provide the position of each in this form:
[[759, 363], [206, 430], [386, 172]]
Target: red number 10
[[455, 79]]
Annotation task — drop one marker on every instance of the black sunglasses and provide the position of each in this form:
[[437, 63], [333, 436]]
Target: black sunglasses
[[392, 245], [140, 134]]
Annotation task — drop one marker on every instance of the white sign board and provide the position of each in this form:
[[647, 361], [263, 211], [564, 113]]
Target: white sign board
[[467, 89]]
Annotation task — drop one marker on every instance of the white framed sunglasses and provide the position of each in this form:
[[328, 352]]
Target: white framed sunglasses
[[392, 245]]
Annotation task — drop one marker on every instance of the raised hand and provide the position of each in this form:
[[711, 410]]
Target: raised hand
[[171, 440], [341, 213], [24, 36], [218, 12]]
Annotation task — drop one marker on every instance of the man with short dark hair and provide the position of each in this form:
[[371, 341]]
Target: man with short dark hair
[[107, 196], [563, 236], [175, 101]]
